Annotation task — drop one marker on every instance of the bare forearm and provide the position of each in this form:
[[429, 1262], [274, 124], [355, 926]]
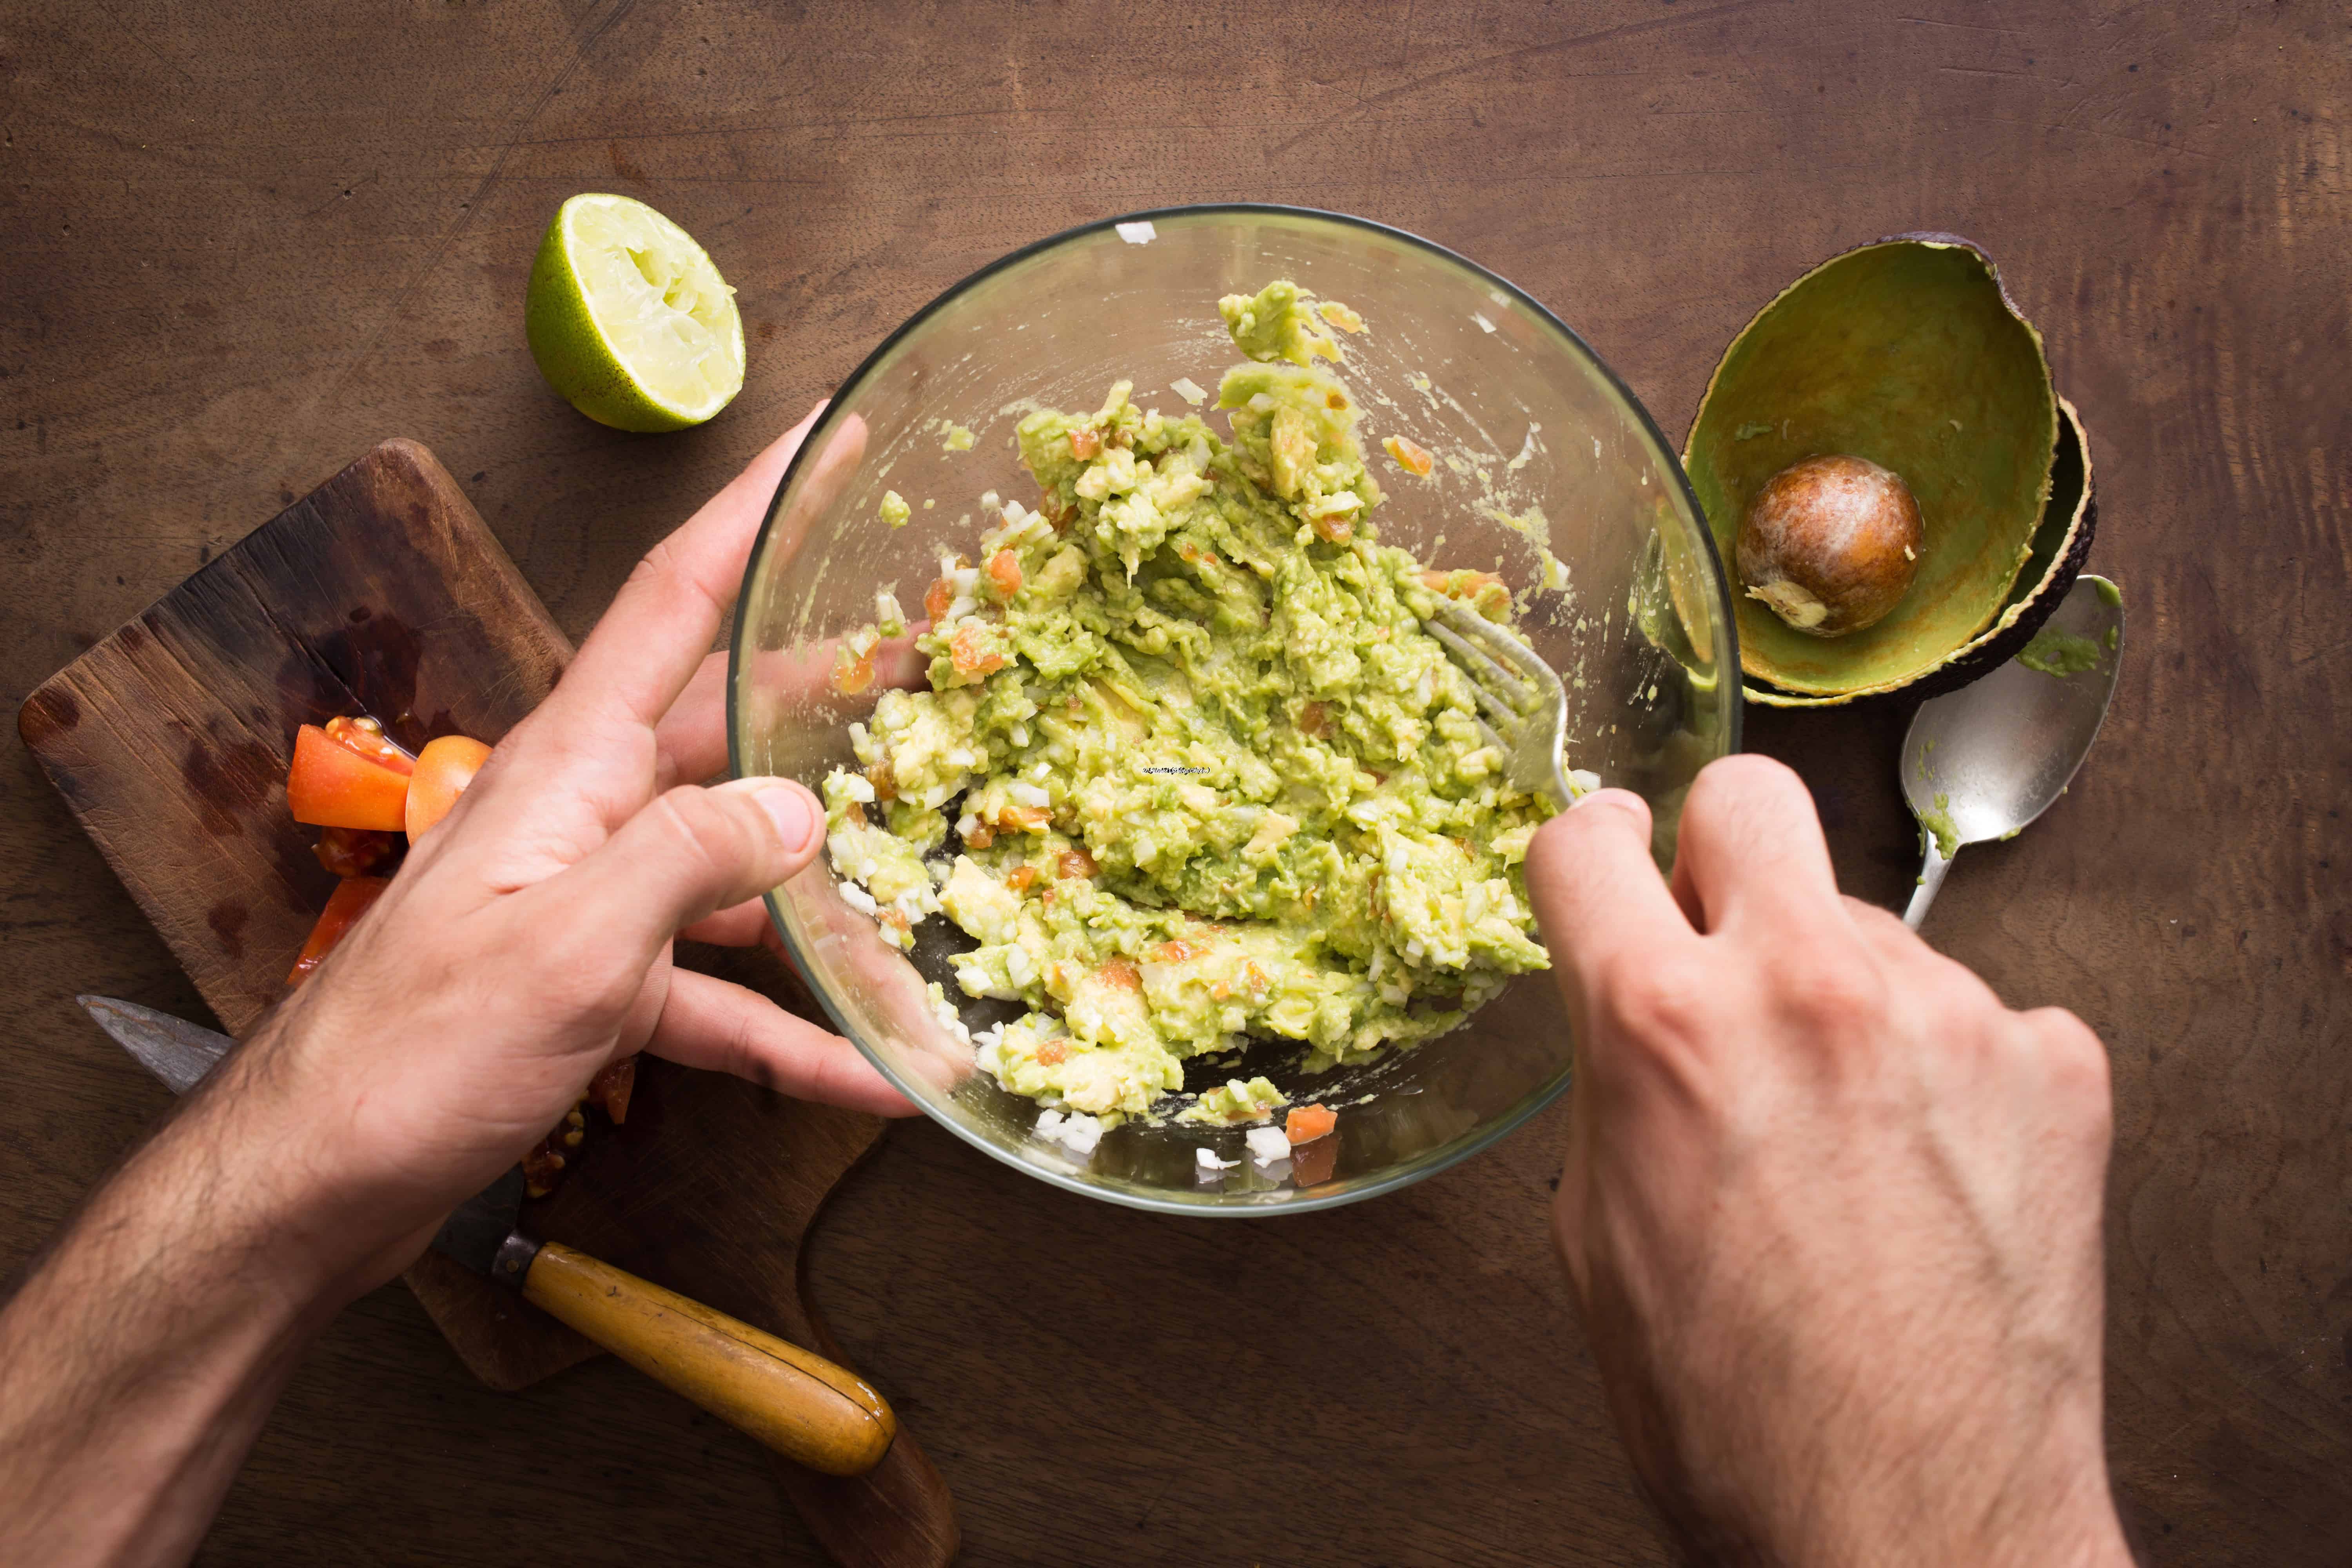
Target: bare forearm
[[143, 1353]]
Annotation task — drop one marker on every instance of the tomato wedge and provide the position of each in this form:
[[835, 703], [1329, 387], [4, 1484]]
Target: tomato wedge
[[443, 768], [351, 897], [346, 777]]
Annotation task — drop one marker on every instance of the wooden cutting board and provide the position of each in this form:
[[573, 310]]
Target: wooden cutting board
[[382, 593]]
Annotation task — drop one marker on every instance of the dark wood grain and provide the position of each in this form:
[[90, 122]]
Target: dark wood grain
[[199, 324]]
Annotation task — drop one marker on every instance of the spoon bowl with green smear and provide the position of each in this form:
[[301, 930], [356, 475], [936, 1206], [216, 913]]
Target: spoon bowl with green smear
[[1987, 759]]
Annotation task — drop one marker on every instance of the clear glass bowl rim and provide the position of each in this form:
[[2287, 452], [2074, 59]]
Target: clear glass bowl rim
[[1430, 1162]]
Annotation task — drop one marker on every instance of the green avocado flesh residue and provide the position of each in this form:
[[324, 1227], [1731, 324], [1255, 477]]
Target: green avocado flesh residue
[[1906, 353], [2061, 654], [1234, 1103], [1939, 823], [1188, 769]]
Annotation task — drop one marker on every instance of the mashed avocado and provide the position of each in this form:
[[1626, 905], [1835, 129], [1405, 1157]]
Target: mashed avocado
[[1188, 769]]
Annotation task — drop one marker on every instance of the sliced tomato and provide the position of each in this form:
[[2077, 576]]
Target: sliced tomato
[[333, 785], [443, 768], [350, 900], [351, 851]]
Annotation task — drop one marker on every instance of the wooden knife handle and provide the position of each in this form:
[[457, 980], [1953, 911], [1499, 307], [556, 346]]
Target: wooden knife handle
[[797, 1402]]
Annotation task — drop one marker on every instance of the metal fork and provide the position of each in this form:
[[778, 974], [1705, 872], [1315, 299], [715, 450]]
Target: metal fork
[[1517, 691]]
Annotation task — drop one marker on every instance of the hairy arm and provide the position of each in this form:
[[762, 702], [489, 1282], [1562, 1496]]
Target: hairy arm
[[146, 1351]]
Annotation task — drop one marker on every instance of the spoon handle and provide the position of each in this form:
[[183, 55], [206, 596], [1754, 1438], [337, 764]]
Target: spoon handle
[[1931, 876]]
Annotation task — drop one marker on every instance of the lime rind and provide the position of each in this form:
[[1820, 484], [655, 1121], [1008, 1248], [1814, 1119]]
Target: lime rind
[[629, 319]]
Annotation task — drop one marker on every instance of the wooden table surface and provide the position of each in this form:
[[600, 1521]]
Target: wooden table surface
[[243, 244]]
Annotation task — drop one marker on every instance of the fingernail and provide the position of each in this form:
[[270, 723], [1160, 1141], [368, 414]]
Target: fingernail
[[1614, 799], [795, 812]]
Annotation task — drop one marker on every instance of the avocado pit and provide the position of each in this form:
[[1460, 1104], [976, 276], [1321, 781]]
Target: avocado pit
[[1831, 544]]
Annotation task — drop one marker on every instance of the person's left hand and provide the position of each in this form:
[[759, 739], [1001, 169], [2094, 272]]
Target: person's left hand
[[526, 941]]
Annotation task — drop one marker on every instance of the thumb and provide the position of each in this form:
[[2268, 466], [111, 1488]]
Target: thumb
[[688, 853]]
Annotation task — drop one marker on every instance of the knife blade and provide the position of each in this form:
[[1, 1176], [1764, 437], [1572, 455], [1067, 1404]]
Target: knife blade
[[797, 1402]]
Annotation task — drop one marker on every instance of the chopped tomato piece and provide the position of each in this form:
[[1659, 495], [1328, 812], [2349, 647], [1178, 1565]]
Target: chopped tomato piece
[[611, 1088], [1315, 720], [1024, 819], [443, 768], [1122, 974], [980, 838], [1335, 528], [334, 785], [348, 901], [1053, 1053], [542, 1168], [856, 812], [1306, 1123], [1410, 456], [1020, 878], [1004, 573], [937, 597], [1173, 952], [1076, 863], [852, 672], [1311, 1164], [970, 654], [885, 782], [351, 851], [1085, 443], [1461, 585]]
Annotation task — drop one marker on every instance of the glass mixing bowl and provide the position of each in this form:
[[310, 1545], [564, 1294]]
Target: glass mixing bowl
[[1551, 472]]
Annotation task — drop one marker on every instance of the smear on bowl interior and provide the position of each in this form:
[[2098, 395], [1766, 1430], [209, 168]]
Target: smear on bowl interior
[[1189, 770]]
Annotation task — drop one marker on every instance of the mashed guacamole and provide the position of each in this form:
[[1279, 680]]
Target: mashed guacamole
[[1188, 770]]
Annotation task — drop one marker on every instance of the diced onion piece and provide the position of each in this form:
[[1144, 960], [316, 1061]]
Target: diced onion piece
[[1267, 1144]]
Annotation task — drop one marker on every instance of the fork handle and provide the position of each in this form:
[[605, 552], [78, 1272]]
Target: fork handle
[[1931, 876]]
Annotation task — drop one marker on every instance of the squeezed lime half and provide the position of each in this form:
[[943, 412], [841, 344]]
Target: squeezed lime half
[[629, 319]]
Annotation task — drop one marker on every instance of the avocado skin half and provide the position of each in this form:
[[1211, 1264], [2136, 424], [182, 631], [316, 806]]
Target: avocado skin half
[[1875, 353], [2060, 545]]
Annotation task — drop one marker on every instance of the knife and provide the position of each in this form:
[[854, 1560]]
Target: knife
[[798, 1404]]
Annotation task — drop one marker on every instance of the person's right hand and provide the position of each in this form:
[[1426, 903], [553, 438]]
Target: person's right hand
[[1831, 1210]]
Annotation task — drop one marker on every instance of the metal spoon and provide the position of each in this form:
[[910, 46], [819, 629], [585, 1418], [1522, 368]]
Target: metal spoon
[[1987, 759]]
